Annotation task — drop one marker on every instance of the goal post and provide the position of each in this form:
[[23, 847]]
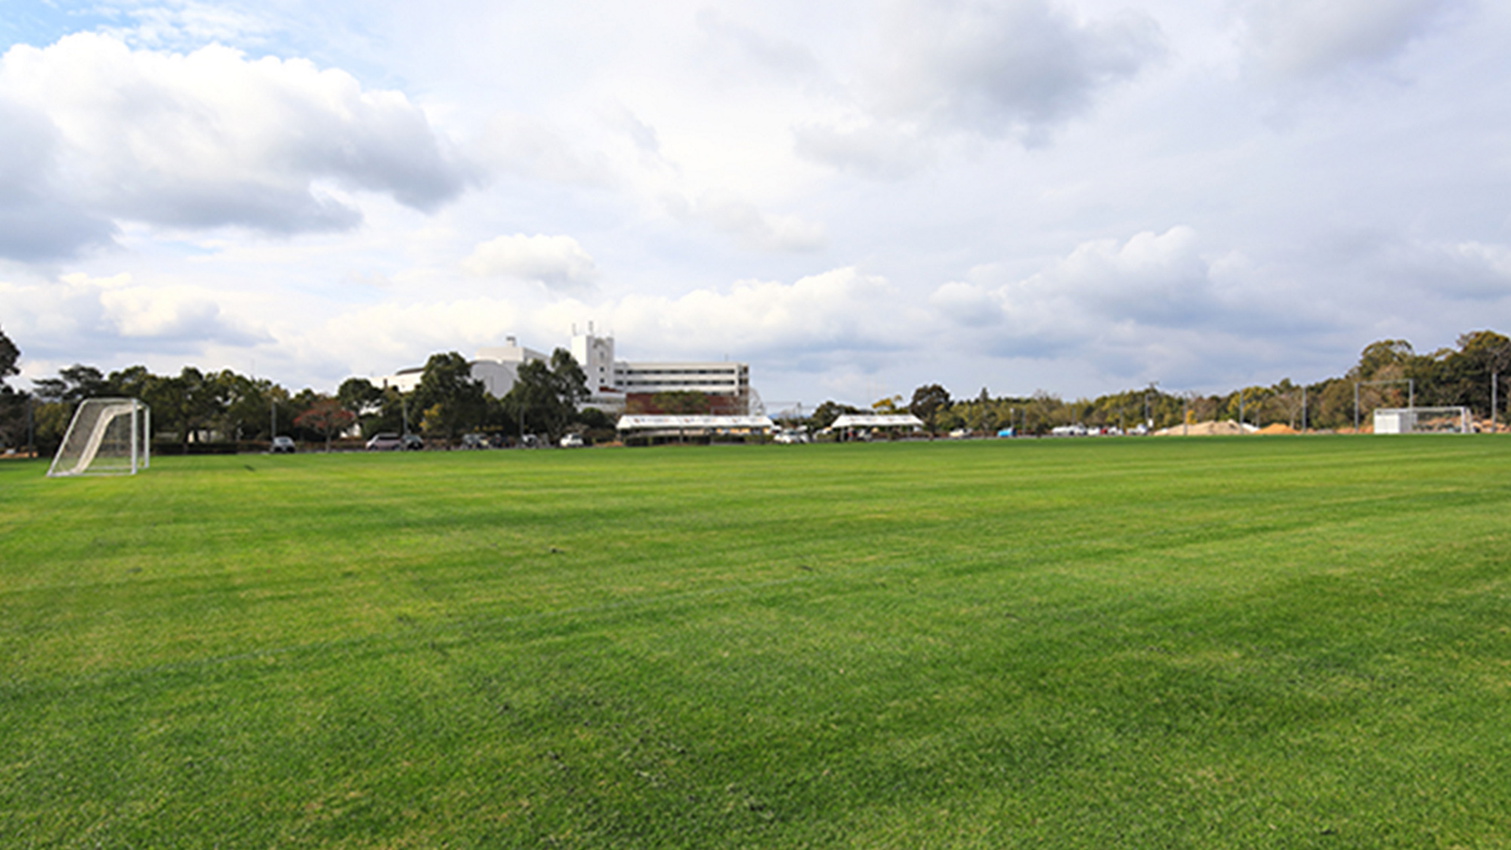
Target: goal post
[[107, 436], [1423, 420]]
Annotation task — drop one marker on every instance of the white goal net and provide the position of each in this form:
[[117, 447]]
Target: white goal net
[[108, 436], [1422, 420]]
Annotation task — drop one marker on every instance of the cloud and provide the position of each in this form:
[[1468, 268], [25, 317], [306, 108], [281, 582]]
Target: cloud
[[1467, 271], [37, 219], [79, 318], [777, 56], [183, 22], [1306, 38], [556, 261], [1149, 286], [873, 148], [207, 139], [749, 225], [1017, 68], [835, 311]]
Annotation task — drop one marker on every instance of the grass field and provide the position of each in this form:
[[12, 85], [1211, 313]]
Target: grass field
[[1287, 642]]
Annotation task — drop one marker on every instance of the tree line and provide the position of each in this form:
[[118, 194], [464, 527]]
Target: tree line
[[230, 408], [1389, 373], [197, 409]]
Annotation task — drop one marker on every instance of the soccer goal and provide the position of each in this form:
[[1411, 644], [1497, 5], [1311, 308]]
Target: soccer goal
[[108, 436], [1422, 420]]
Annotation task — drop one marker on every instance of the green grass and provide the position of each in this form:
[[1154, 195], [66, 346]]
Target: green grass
[[1287, 642]]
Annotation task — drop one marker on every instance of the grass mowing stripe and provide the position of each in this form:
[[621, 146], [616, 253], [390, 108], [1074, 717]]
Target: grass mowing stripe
[[1239, 643]]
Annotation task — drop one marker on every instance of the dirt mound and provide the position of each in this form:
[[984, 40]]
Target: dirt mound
[[1206, 429], [1278, 428]]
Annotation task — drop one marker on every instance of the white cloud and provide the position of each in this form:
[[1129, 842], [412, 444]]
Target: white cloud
[[38, 219], [842, 309], [1303, 37], [557, 261], [1018, 67], [184, 22], [208, 139], [780, 57], [756, 229], [1152, 284], [83, 318], [870, 147]]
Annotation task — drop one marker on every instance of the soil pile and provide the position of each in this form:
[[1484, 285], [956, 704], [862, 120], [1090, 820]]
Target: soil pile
[[1205, 429]]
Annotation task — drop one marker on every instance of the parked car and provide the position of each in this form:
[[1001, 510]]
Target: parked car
[[572, 441], [384, 443], [390, 442], [475, 441], [283, 445]]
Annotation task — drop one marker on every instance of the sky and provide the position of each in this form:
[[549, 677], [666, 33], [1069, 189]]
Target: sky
[[855, 198]]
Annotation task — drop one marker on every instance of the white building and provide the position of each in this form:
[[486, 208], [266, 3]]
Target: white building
[[497, 367], [610, 381]]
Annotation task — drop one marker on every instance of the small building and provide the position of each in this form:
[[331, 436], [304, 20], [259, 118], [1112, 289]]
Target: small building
[[871, 422], [679, 428]]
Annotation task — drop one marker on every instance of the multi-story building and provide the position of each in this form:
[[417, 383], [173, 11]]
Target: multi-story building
[[615, 384], [612, 384]]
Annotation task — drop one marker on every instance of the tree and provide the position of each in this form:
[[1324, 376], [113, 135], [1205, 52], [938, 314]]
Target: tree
[[679, 402], [359, 396], [73, 384], [328, 417], [245, 411], [929, 401], [825, 414], [1043, 412], [458, 401], [12, 403], [545, 395], [1379, 356], [185, 403], [9, 354]]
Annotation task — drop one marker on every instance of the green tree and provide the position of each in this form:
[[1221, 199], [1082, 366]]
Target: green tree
[[73, 384], [825, 414], [12, 403], [1386, 354], [545, 395], [929, 402], [448, 399], [1043, 412], [191, 399], [364, 400], [9, 356]]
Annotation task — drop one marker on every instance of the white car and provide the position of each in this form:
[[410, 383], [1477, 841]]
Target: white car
[[572, 441], [283, 445]]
